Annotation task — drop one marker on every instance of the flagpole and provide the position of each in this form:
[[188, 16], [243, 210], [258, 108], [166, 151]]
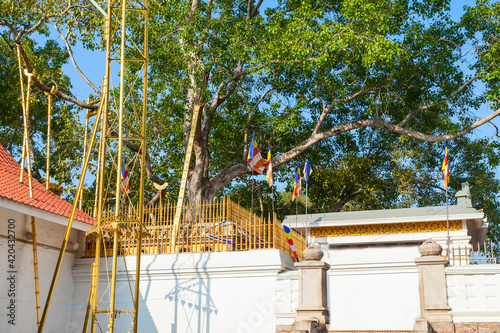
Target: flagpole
[[297, 178], [448, 225], [272, 197], [307, 218], [446, 178], [269, 175], [296, 212], [307, 172], [251, 207], [251, 175]]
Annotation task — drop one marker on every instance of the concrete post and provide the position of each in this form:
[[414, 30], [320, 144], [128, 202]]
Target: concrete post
[[432, 287], [312, 312]]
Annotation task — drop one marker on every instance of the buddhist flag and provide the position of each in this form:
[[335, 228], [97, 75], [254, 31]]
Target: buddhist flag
[[307, 171], [256, 161], [445, 168], [125, 186], [269, 173], [297, 188], [290, 242]]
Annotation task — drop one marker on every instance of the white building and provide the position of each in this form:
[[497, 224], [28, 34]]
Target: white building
[[374, 280], [17, 284]]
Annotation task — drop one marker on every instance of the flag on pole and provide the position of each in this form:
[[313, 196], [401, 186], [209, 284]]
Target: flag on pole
[[290, 242], [307, 171], [125, 186], [297, 188], [255, 159], [445, 168], [269, 168]]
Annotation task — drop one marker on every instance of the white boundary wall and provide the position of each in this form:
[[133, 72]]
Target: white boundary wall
[[373, 287], [287, 297], [24, 284], [192, 292], [474, 293], [369, 288]]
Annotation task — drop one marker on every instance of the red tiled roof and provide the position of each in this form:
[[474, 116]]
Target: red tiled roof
[[10, 188]]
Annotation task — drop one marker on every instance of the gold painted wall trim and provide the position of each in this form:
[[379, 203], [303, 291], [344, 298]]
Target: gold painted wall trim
[[381, 229]]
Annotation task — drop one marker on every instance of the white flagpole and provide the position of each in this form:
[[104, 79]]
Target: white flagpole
[[272, 197], [296, 199], [448, 225], [251, 185], [272, 185], [307, 218], [446, 173], [296, 212]]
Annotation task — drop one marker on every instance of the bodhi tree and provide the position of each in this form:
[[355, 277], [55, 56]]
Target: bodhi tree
[[297, 73]]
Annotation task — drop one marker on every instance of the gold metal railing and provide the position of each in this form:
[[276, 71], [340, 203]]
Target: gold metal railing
[[222, 226], [475, 254]]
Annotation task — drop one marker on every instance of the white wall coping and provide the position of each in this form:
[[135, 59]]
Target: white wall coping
[[472, 269], [375, 268], [475, 316], [265, 262]]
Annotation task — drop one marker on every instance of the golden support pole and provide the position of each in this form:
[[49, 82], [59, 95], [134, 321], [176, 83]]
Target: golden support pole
[[101, 161], [91, 297], [97, 214], [23, 102], [185, 172], [94, 282], [80, 204], [35, 268], [100, 199], [102, 149], [116, 233], [143, 164], [49, 117], [26, 150], [113, 281], [68, 227]]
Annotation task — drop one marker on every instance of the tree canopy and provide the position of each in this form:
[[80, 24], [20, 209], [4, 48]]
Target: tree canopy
[[364, 89]]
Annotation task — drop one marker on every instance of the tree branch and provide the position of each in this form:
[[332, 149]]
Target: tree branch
[[250, 115], [256, 8], [428, 106], [70, 53], [496, 129], [194, 7], [342, 101], [58, 93], [30, 30], [343, 201], [238, 169], [432, 138]]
